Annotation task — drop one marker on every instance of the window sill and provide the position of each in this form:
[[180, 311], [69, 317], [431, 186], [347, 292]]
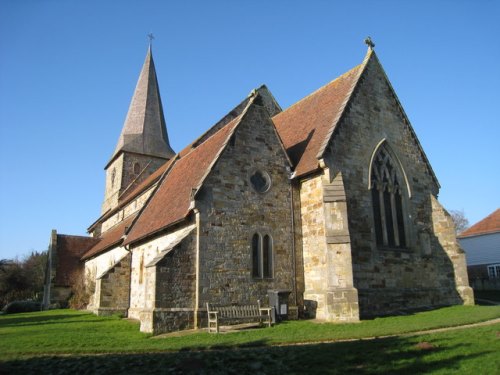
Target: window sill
[[395, 249]]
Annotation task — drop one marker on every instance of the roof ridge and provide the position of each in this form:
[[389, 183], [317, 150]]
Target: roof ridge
[[318, 90]]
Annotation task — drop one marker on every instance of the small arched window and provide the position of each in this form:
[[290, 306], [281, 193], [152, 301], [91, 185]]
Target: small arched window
[[113, 175], [137, 168], [387, 199], [262, 256]]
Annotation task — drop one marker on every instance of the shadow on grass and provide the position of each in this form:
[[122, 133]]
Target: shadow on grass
[[20, 320], [380, 356]]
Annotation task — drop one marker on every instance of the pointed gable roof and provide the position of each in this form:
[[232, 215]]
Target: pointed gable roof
[[171, 203], [490, 224], [306, 126], [144, 131]]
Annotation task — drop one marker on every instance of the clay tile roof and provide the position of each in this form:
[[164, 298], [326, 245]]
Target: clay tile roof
[[110, 238], [490, 224], [127, 196], [171, 201], [307, 125], [69, 252]]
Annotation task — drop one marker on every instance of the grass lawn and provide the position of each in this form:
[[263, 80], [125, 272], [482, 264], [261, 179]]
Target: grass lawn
[[67, 341]]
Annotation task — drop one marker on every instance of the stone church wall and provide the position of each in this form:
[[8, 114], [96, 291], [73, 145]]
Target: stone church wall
[[114, 288], [171, 290], [314, 247], [150, 288], [389, 279], [328, 278], [231, 212], [97, 266]]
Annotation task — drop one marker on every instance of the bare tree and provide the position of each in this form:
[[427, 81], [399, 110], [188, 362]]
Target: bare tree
[[461, 222]]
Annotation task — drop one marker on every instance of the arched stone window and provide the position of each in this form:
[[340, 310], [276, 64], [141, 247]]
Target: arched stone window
[[137, 168], [387, 198], [262, 256]]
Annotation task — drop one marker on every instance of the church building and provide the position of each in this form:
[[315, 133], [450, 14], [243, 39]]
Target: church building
[[332, 200]]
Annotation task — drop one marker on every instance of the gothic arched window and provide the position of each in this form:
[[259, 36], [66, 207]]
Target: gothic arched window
[[262, 256], [387, 198]]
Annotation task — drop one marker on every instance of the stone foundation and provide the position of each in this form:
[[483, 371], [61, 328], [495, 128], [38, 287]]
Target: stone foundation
[[103, 311], [159, 320]]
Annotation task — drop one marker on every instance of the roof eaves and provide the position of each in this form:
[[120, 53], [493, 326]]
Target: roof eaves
[[477, 234], [104, 249], [159, 230], [136, 192]]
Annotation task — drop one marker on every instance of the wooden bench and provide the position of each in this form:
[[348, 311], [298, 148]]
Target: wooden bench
[[217, 314]]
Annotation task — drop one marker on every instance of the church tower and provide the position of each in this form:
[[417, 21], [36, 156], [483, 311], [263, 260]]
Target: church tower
[[143, 145]]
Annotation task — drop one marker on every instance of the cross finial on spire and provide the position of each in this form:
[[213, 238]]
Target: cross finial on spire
[[151, 37], [369, 42]]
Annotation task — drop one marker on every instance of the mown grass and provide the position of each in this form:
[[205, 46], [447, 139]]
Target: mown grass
[[44, 340]]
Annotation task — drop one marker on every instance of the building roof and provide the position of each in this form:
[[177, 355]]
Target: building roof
[[130, 195], [171, 203], [306, 126], [305, 130], [110, 238], [490, 224], [69, 251], [144, 131]]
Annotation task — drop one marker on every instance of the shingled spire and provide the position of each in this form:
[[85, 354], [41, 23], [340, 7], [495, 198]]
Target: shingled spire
[[144, 131], [143, 145]]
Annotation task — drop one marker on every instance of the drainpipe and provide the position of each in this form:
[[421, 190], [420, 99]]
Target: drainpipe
[[294, 266], [197, 269]]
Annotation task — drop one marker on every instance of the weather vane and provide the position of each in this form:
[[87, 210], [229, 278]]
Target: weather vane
[[369, 42], [151, 37]]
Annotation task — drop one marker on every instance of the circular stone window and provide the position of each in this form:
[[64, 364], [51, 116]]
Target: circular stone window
[[260, 181]]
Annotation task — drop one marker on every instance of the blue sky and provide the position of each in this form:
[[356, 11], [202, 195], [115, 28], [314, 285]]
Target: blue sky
[[68, 70]]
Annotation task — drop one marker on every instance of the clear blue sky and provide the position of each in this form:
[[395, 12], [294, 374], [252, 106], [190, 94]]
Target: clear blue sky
[[68, 70]]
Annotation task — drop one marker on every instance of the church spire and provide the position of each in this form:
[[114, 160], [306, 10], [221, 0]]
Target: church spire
[[144, 131]]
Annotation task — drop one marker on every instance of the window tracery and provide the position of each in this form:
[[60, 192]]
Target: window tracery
[[387, 199]]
